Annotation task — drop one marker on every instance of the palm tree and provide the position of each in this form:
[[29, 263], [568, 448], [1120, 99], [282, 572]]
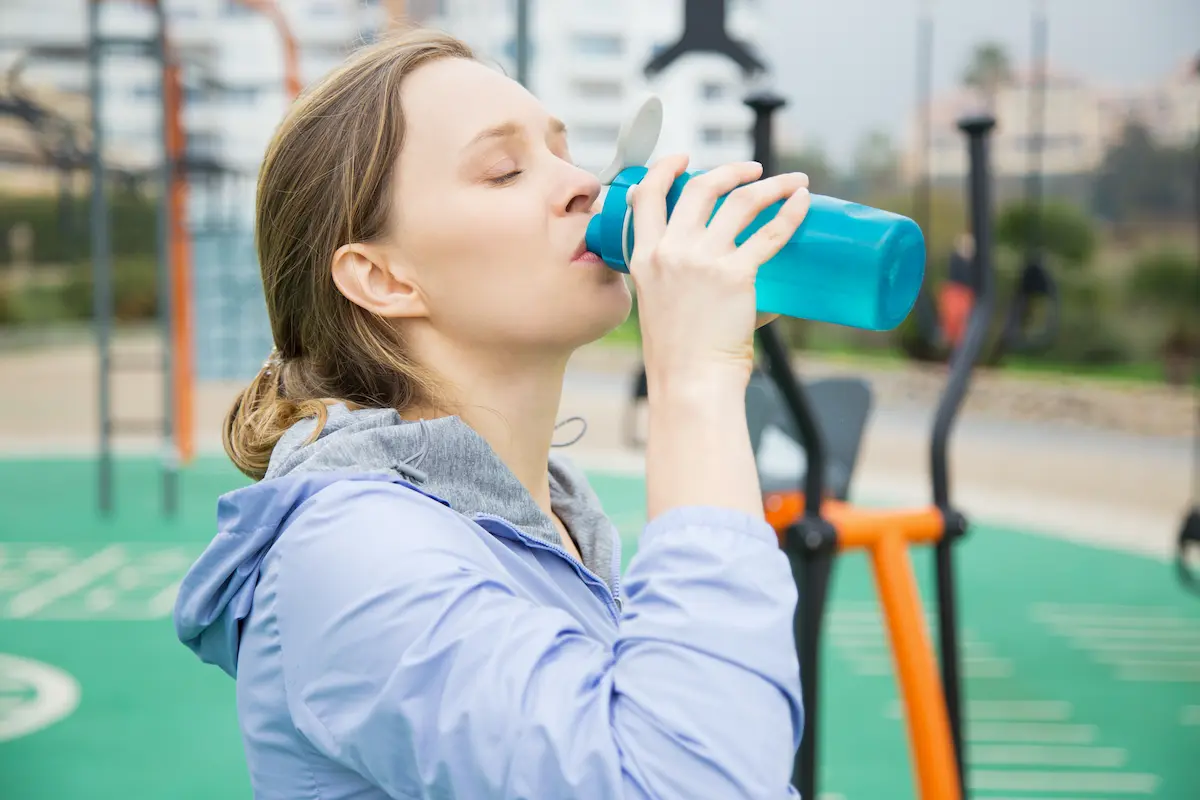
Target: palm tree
[[988, 70]]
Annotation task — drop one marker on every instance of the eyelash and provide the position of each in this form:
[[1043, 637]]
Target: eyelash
[[506, 178]]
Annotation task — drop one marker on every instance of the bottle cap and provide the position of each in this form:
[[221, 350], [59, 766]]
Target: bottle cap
[[610, 233]]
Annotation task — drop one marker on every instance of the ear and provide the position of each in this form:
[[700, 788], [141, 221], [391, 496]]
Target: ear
[[371, 280]]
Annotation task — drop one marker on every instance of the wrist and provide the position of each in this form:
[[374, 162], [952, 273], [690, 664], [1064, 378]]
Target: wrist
[[698, 387]]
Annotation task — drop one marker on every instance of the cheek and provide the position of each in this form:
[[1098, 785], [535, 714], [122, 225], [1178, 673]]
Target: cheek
[[476, 246]]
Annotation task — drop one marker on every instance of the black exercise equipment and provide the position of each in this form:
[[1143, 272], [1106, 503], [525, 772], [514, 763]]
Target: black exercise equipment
[[809, 415]]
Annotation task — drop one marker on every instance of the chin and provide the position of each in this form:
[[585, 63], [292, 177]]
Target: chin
[[605, 311]]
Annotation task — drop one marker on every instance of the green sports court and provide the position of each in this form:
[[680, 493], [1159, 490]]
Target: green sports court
[[1082, 665]]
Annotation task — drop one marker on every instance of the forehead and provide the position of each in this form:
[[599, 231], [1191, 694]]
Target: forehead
[[448, 102]]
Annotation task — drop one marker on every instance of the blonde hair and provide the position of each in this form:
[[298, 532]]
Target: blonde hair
[[325, 182]]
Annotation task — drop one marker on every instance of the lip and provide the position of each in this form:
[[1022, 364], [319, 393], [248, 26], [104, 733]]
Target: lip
[[584, 256]]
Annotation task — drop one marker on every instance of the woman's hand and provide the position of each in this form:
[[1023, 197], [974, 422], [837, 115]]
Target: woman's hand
[[695, 286]]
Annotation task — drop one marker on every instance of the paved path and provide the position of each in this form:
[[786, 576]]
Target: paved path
[[1118, 489]]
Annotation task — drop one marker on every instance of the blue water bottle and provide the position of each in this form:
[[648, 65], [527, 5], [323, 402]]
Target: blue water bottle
[[847, 263]]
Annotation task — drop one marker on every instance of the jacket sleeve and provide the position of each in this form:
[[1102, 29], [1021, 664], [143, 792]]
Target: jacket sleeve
[[411, 658]]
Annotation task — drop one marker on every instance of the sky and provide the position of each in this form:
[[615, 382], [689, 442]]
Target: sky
[[848, 66]]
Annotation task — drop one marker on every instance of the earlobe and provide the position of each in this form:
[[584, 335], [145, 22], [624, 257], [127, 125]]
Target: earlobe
[[370, 280]]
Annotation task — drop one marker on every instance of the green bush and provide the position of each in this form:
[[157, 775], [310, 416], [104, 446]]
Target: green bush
[[1166, 282], [1090, 328], [135, 290], [61, 232], [1164, 286], [1063, 231], [135, 295]]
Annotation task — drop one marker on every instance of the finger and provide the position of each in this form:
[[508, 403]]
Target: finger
[[649, 202], [696, 202], [770, 238], [747, 202]]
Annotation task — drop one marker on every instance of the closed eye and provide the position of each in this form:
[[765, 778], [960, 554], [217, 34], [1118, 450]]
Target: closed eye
[[506, 178]]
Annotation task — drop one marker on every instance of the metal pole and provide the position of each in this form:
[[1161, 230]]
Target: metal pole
[[962, 361], [102, 288], [1036, 129], [166, 315], [810, 545], [522, 43], [925, 110]]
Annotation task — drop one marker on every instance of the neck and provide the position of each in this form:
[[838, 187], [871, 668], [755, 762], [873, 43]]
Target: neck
[[511, 402]]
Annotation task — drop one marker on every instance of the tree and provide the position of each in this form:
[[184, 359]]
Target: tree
[[988, 70], [1139, 179], [813, 162], [1062, 231], [876, 164], [1167, 284]]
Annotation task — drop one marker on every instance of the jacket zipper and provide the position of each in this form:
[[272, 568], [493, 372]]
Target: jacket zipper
[[586, 574]]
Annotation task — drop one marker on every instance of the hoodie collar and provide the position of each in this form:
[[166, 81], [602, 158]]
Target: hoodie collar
[[449, 460]]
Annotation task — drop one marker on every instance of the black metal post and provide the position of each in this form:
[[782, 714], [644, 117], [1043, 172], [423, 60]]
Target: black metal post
[[522, 43], [923, 199], [1037, 131], [962, 362], [810, 544], [102, 282], [167, 171]]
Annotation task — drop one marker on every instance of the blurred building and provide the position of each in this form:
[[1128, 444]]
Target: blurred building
[[232, 60], [1081, 122], [586, 64]]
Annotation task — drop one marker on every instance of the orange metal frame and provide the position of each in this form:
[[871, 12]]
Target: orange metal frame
[[886, 535], [183, 357]]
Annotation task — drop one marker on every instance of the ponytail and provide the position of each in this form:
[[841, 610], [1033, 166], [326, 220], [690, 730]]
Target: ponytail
[[260, 416]]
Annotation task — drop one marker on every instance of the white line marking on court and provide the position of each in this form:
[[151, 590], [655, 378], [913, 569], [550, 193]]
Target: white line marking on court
[[163, 603], [1114, 620], [1114, 646], [1181, 673], [1033, 755], [1140, 634], [1019, 710], [1031, 732], [1102, 782], [71, 579], [1129, 660], [1104, 609], [55, 695], [128, 578], [99, 599]]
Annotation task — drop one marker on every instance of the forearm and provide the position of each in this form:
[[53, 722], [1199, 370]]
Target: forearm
[[698, 449]]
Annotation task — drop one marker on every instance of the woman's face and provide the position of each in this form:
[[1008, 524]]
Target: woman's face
[[490, 217]]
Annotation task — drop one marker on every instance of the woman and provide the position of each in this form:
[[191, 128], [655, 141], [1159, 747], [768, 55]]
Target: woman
[[414, 599]]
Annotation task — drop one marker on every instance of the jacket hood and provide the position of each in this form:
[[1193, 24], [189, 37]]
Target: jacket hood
[[442, 458]]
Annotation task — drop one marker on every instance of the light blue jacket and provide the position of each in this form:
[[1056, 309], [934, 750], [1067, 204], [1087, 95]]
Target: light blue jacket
[[402, 623]]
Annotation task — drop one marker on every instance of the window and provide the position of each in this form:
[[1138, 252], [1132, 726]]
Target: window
[[597, 44], [146, 91], [236, 8], [712, 135], [597, 89], [712, 91], [326, 8], [241, 95], [203, 144], [594, 134]]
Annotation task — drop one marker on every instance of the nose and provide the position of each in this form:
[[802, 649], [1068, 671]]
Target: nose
[[583, 191]]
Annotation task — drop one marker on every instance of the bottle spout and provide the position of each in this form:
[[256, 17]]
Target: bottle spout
[[592, 240]]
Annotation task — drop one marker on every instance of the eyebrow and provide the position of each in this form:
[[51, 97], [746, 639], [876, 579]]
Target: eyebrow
[[511, 129]]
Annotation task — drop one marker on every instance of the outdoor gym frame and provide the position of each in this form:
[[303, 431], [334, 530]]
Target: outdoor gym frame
[[173, 248]]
